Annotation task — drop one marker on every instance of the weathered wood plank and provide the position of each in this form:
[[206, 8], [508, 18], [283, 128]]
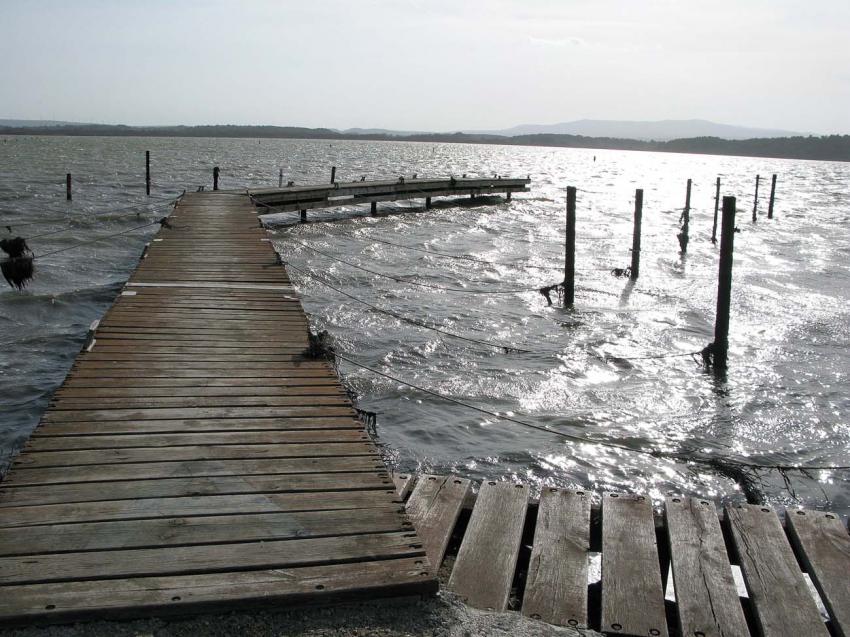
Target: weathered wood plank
[[434, 507], [632, 594], [781, 600], [274, 588], [556, 586], [484, 569], [706, 596], [403, 484], [824, 547]]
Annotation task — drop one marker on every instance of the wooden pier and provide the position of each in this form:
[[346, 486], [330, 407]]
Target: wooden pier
[[501, 550], [335, 194], [194, 458]]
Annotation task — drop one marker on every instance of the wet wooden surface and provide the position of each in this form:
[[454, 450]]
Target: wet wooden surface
[[194, 457]]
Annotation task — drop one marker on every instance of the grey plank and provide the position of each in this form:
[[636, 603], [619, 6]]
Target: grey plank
[[403, 484], [632, 593], [824, 547], [706, 596], [556, 587], [783, 605], [434, 507], [485, 564]]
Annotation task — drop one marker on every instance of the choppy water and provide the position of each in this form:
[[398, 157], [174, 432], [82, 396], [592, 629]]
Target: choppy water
[[591, 373]]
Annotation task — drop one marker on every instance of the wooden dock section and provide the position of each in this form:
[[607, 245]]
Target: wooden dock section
[[330, 195], [194, 458], [503, 551]]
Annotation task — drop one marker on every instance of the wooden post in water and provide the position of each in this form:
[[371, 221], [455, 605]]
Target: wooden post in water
[[716, 207], [756, 199], [215, 178], [427, 203], [570, 249], [148, 173], [724, 286], [635, 267], [772, 196], [333, 174], [374, 209], [686, 221], [280, 178], [68, 187], [303, 216]]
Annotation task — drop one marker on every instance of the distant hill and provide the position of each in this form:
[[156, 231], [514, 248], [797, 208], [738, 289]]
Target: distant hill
[[828, 147], [34, 123], [664, 130]]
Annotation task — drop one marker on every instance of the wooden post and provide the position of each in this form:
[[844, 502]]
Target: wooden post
[[570, 249], [215, 178], [148, 173], [374, 208], [333, 174], [303, 216], [427, 203], [716, 207], [756, 199], [68, 186], [635, 268], [686, 220], [280, 178], [772, 196], [509, 195], [724, 285]]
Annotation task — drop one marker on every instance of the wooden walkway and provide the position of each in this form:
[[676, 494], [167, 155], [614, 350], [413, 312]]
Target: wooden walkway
[[501, 551], [194, 459], [309, 197]]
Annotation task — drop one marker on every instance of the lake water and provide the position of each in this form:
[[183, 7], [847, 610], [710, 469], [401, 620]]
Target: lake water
[[614, 369]]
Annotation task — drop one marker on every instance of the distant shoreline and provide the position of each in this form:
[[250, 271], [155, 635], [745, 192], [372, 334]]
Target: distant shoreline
[[822, 148]]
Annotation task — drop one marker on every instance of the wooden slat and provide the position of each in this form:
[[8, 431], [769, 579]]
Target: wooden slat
[[403, 484], [143, 597], [632, 594], [782, 602], [434, 507], [486, 561], [824, 547], [556, 586], [706, 596]]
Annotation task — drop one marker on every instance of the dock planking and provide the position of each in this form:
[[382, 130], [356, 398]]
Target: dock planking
[[194, 458]]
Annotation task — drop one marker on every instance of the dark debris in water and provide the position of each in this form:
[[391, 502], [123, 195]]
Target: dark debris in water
[[18, 266]]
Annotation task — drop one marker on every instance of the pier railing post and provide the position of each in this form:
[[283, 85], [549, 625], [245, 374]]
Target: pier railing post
[[756, 199], [68, 187], [724, 285], [635, 267], [333, 174], [686, 221], [148, 173], [215, 178], [772, 196], [570, 249], [716, 207]]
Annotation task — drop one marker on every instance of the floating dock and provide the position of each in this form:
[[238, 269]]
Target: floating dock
[[195, 458], [304, 198]]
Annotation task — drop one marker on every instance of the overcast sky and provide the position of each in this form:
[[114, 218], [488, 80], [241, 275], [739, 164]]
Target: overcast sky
[[427, 64]]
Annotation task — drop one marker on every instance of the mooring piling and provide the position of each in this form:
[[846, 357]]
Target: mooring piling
[[427, 203], [716, 207], [215, 177], [772, 196], [280, 178], [303, 216], [374, 208], [68, 187], [756, 199], [333, 174], [686, 220], [570, 249], [148, 173], [634, 270], [720, 347]]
